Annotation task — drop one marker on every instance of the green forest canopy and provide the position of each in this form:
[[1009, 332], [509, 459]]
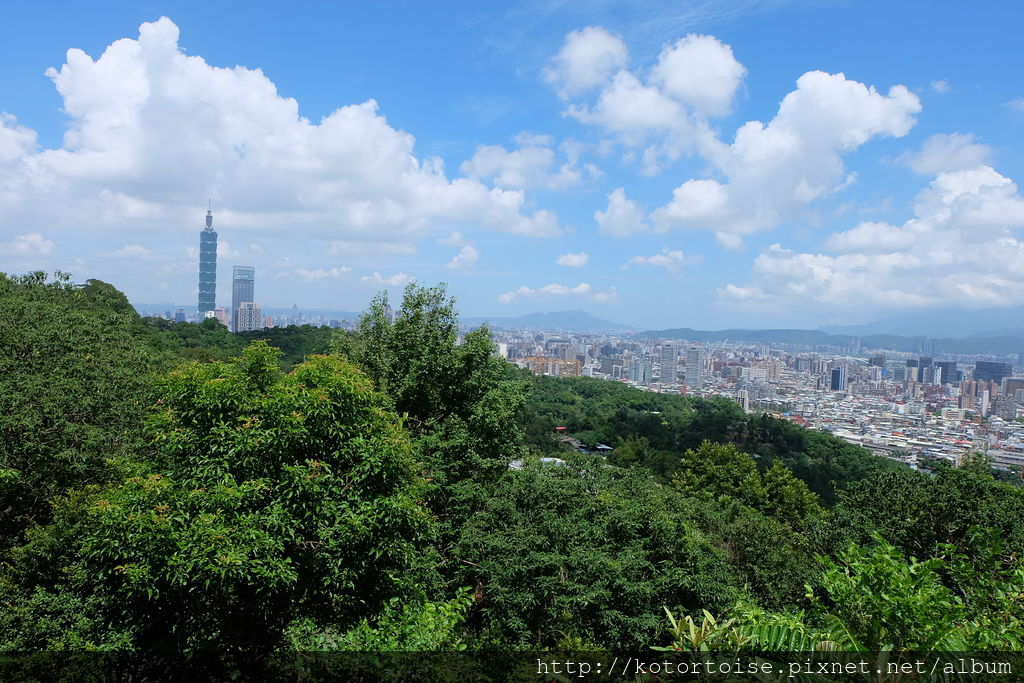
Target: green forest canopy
[[177, 487]]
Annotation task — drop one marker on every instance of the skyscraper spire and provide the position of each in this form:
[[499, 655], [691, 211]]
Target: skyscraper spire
[[208, 264]]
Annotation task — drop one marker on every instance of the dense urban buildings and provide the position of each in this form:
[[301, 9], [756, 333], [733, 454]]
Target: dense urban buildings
[[909, 407], [207, 266]]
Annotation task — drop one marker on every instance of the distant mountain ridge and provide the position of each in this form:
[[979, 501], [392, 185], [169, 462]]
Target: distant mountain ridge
[[781, 336], [953, 323], [569, 321], [994, 345], [1005, 340]]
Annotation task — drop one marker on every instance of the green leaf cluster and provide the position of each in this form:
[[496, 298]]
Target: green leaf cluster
[[587, 554], [269, 499], [74, 385]]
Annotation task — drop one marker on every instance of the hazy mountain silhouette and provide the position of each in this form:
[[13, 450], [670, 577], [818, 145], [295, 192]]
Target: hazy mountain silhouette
[[570, 321]]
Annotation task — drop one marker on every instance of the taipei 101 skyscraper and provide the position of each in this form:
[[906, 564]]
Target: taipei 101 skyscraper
[[208, 266]]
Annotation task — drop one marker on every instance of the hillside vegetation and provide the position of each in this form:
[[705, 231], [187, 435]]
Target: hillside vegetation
[[177, 488]]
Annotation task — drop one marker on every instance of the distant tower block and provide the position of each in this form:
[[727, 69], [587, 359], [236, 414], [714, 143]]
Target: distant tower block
[[668, 362], [695, 366], [208, 266], [243, 280]]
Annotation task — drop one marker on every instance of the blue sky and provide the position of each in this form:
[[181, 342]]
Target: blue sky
[[663, 164]]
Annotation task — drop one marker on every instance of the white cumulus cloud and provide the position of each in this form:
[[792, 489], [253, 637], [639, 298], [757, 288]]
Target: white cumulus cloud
[[32, 244], [632, 108], [622, 218], [454, 239], [153, 132], [672, 259], [961, 248], [321, 273], [531, 164], [587, 58], [663, 110], [573, 260], [952, 152], [768, 171], [226, 251], [869, 237], [396, 280], [583, 290], [466, 257], [133, 251], [701, 72], [776, 169]]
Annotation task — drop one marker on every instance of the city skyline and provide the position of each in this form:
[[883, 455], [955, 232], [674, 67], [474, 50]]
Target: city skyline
[[712, 167]]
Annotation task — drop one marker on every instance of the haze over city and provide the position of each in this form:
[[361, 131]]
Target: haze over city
[[707, 165]]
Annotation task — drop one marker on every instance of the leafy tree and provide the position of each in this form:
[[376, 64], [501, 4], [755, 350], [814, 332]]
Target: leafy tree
[[103, 296], [918, 512], [828, 465], [874, 598], [762, 519], [790, 500], [990, 583], [73, 388], [205, 342], [413, 357], [585, 555], [404, 641], [715, 471], [210, 340], [599, 411], [635, 451], [399, 626], [771, 561], [721, 472], [271, 500], [457, 399], [294, 341]]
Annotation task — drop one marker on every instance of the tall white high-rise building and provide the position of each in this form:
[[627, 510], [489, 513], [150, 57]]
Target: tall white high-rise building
[[695, 366], [743, 398], [248, 317], [668, 362]]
